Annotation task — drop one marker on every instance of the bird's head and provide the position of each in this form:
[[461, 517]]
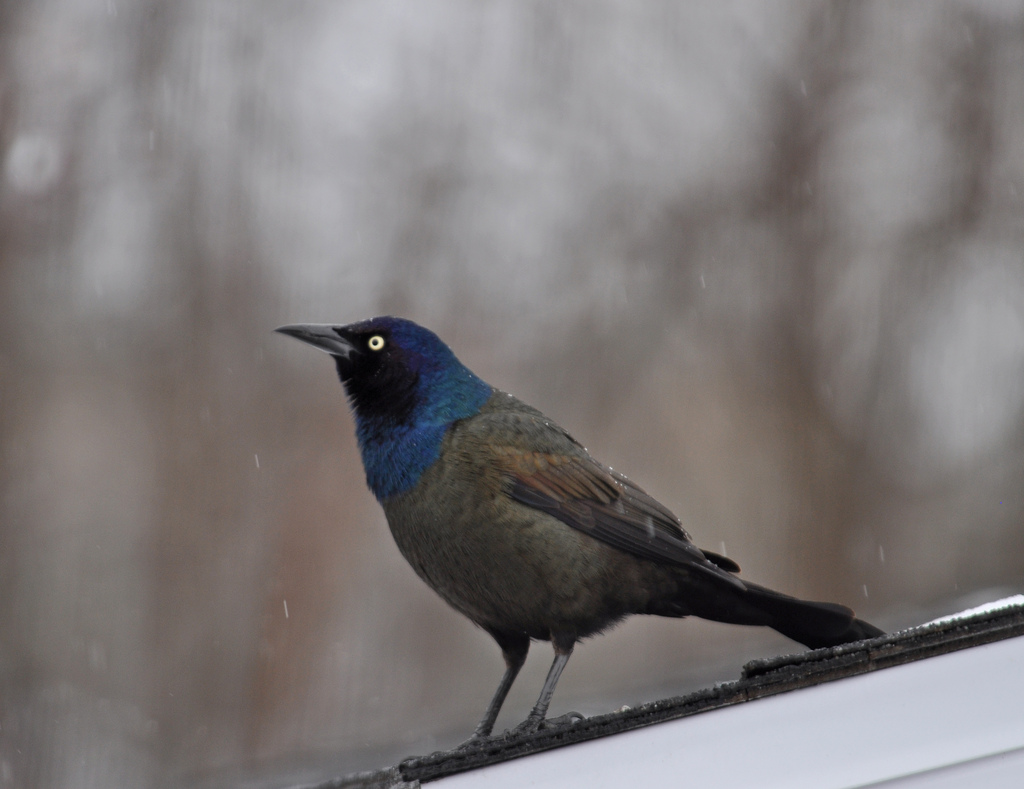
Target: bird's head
[[396, 373]]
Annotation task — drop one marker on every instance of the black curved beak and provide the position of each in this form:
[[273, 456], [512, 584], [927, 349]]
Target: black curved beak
[[328, 338]]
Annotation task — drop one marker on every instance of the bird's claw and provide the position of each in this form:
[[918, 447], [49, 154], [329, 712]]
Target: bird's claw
[[568, 719], [531, 725], [478, 739]]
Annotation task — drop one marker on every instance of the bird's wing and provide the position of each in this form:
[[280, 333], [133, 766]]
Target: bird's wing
[[577, 490]]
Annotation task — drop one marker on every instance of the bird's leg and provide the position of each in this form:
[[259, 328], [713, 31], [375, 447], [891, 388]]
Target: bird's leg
[[563, 651], [514, 647]]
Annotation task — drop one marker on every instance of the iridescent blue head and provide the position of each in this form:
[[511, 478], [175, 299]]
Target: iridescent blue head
[[405, 387]]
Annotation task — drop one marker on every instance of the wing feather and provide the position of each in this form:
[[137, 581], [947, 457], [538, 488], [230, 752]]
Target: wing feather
[[577, 490]]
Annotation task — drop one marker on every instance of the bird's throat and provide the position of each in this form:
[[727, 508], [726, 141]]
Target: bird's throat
[[395, 459], [400, 427]]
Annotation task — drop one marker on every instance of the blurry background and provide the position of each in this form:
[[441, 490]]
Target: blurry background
[[765, 258]]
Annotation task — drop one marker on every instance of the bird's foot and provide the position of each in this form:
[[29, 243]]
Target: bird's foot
[[569, 719], [531, 724], [478, 739]]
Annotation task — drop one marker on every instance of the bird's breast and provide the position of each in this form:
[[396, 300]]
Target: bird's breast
[[504, 564]]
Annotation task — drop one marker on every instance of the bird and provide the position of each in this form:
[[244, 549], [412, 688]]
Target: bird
[[516, 526]]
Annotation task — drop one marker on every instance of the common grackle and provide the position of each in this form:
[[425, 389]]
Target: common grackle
[[510, 520]]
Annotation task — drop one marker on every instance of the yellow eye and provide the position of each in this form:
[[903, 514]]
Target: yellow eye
[[375, 343]]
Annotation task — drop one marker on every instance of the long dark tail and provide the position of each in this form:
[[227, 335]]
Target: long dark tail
[[813, 624]]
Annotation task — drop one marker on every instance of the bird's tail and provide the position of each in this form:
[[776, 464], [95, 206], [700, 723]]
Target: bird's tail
[[813, 624]]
